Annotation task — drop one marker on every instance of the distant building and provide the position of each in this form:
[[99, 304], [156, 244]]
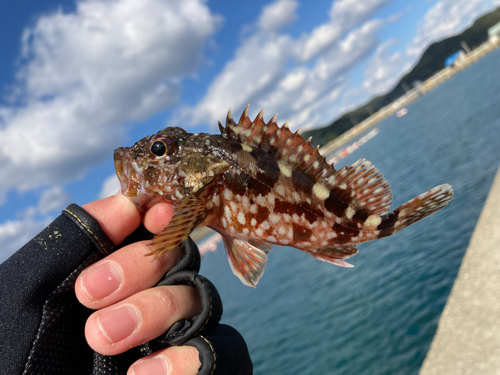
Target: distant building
[[494, 32], [457, 56]]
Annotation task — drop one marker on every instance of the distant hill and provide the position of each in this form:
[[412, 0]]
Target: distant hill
[[430, 63]]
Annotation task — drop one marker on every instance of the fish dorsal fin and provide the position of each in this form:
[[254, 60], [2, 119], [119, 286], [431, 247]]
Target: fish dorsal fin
[[359, 191], [289, 148]]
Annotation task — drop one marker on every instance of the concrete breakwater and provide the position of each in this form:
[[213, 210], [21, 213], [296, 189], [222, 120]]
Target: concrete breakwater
[[467, 340]]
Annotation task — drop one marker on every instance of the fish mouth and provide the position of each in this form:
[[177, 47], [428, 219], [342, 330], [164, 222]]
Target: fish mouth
[[126, 172], [132, 180]]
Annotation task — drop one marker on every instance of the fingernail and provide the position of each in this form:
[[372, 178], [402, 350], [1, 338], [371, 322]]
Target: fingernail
[[119, 323], [101, 280], [155, 366]]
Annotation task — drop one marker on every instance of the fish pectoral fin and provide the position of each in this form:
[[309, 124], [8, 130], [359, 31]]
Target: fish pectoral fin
[[247, 258], [189, 213], [335, 255]]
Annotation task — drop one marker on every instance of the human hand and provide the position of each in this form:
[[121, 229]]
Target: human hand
[[120, 287]]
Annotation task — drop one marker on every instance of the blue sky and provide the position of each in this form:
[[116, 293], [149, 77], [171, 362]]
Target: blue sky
[[78, 79]]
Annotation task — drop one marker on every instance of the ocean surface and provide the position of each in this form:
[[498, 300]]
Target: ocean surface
[[310, 317]]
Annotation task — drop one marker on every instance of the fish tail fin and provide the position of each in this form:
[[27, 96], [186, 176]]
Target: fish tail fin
[[412, 211]]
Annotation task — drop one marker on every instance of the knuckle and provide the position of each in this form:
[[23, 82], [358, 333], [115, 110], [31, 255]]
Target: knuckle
[[167, 299]]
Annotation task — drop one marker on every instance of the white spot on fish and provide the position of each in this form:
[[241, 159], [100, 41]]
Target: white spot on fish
[[241, 218], [280, 189], [285, 169], [270, 198], [265, 225], [227, 212], [274, 218], [245, 202], [253, 221], [349, 213], [228, 194], [320, 190], [331, 235], [246, 147], [234, 207], [373, 221], [271, 239], [261, 201]]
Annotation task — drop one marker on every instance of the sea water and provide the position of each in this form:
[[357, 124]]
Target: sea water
[[310, 317]]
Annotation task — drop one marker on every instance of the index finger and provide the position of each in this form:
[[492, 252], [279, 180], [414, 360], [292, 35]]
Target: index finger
[[119, 217]]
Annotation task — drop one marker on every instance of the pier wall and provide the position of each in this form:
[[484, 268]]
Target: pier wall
[[467, 340]]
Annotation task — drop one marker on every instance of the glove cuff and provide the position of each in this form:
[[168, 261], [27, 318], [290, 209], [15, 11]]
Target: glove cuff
[[222, 351], [90, 226]]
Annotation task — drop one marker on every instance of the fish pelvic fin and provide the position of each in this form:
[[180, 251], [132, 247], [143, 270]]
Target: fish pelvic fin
[[247, 258], [412, 211], [190, 213]]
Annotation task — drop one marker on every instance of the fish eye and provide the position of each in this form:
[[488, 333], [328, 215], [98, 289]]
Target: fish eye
[[159, 148], [162, 147]]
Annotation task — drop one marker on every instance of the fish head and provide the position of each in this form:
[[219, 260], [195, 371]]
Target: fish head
[[169, 165]]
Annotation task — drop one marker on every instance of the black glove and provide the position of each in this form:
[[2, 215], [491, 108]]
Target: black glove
[[41, 324]]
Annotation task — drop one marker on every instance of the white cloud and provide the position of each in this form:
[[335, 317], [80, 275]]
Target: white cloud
[[273, 70], [15, 233], [345, 15], [352, 13], [256, 69], [446, 18], [53, 199], [110, 187], [384, 69], [83, 74], [277, 15]]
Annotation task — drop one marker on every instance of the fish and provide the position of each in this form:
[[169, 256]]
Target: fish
[[258, 185]]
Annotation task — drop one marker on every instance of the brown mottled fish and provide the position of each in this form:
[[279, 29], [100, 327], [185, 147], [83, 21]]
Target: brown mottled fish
[[259, 184]]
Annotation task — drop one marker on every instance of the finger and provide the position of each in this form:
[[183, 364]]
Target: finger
[[158, 217], [122, 274], [140, 318], [117, 216], [183, 360]]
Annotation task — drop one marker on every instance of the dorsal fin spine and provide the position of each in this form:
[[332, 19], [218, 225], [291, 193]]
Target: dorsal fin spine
[[260, 116], [222, 129], [287, 146]]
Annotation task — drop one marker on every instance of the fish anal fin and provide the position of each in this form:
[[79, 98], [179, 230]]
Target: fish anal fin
[[189, 213], [335, 255], [247, 258]]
